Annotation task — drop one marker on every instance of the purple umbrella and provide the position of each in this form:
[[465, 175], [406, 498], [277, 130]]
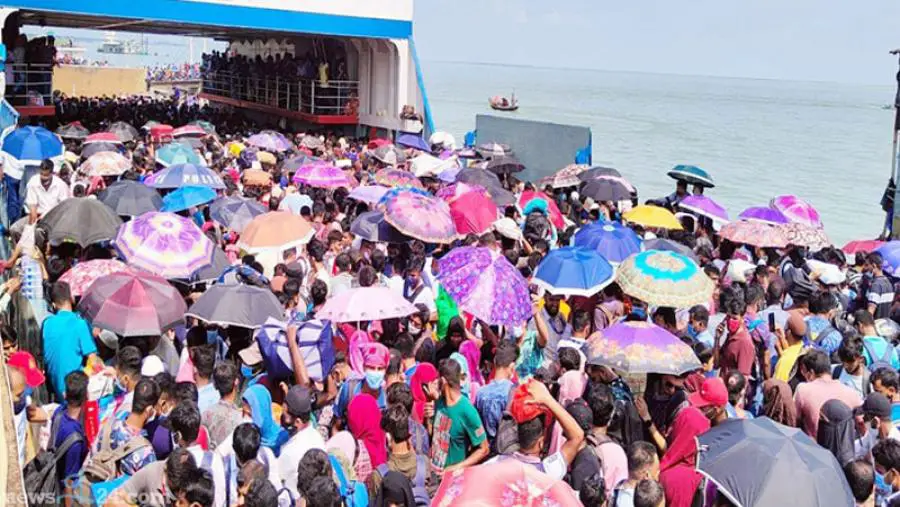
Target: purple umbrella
[[369, 194], [764, 214], [267, 141], [131, 303], [164, 244], [640, 347], [413, 141], [704, 206], [485, 284], [321, 175]]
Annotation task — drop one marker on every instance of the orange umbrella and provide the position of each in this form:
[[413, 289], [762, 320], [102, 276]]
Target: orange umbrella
[[504, 482], [276, 229]]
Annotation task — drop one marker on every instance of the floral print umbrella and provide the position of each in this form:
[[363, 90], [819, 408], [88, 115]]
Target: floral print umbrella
[[106, 163], [754, 233], [800, 234], [164, 244], [396, 178], [83, 274], [485, 284], [565, 177], [418, 214], [640, 347], [663, 278], [503, 483]]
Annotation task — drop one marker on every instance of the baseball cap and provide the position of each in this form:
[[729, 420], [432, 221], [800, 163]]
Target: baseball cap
[[25, 362], [712, 393], [298, 401], [876, 405]]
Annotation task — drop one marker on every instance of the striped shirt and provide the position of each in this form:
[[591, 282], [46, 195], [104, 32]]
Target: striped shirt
[[881, 294]]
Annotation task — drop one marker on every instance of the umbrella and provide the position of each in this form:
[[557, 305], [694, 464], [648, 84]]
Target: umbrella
[[640, 347], [418, 214], [369, 194], [862, 246], [651, 216], [759, 462], [178, 154], [365, 304], [282, 140], [313, 142], [102, 137], [179, 175], [565, 177], [235, 148], [237, 305], [389, 155], [490, 182], [471, 207], [268, 142], [131, 303], [189, 130], [89, 150], [265, 157], [800, 234], [187, 197], [663, 278], [164, 244], [83, 274], [670, 246], [531, 200], [796, 210], [80, 220], [613, 241], [890, 256], [490, 150], [275, 229], [219, 264], [764, 214], [607, 188], [130, 198], [504, 165], [295, 203], [296, 162], [371, 226], [754, 233], [124, 131], [321, 175], [504, 482], [598, 172], [485, 284], [704, 206], [692, 174], [149, 125], [573, 271], [390, 177], [207, 127], [428, 166], [32, 143], [106, 163], [413, 141], [256, 177], [74, 130], [235, 213]]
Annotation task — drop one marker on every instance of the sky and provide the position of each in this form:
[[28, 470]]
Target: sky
[[806, 40]]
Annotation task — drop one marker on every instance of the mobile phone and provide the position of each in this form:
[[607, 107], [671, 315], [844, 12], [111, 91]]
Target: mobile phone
[[771, 322]]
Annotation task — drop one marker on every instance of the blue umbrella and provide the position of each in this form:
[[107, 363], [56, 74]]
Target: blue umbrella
[[32, 143], [613, 241], [177, 153], [890, 256], [235, 212], [180, 175], [413, 141], [574, 271], [692, 174], [187, 197]]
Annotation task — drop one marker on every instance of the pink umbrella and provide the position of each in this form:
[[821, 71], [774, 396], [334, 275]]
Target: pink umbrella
[[862, 246], [322, 176], [471, 207], [189, 130], [131, 303], [83, 274], [556, 217], [365, 304], [796, 210], [102, 137], [704, 206], [754, 233]]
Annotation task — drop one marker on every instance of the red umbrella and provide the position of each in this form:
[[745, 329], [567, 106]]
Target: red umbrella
[[861, 246], [504, 482], [556, 216], [471, 207], [129, 303], [102, 137]]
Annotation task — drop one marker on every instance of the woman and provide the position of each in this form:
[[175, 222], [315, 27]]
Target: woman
[[677, 472], [354, 458], [571, 386], [364, 420], [396, 491], [425, 376], [472, 352], [778, 402], [258, 406], [466, 385], [836, 430], [456, 335]]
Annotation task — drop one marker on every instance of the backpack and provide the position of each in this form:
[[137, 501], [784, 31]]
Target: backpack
[[420, 494], [316, 346], [354, 493], [879, 362], [41, 482], [103, 467], [867, 386]]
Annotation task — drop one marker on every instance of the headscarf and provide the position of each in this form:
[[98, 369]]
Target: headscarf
[[364, 420], [343, 447], [778, 404], [357, 341], [469, 349], [260, 401], [836, 431], [677, 474], [425, 373], [375, 354], [466, 386], [571, 386], [395, 490]]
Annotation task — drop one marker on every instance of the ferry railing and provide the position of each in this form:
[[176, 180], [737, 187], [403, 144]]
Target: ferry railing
[[311, 96], [32, 84]]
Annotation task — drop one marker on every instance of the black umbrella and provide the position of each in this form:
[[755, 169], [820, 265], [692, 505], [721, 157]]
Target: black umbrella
[[504, 165], [758, 462], [81, 220], [124, 131], [130, 198], [98, 147], [669, 246], [490, 182], [220, 263], [372, 226], [237, 305], [292, 164], [73, 130], [235, 212], [606, 189], [597, 171]]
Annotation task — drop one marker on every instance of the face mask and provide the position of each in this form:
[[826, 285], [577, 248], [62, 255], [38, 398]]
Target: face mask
[[733, 325], [414, 330], [246, 371], [374, 379], [119, 386], [640, 313], [691, 331], [286, 422], [19, 406], [882, 488]]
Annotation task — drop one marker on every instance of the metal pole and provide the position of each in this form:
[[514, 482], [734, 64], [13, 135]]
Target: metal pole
[[894, 225]]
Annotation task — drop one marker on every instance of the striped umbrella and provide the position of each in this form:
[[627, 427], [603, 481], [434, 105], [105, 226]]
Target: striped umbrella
[[164, 244], [692, 174], [321, 176], [106, 163], [102, 137], [663, 278]]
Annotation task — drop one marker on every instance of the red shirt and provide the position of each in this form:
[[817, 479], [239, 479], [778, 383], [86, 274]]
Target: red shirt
[[738, 353]]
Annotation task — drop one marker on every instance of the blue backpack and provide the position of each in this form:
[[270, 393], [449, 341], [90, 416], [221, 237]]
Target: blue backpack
[[315, 340], [354, 493]]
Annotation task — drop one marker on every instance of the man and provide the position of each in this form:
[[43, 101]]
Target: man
[[873, 424], [44, 191], [887, 382], [887, 464], [343, 280], [711, 399], [612, 457], [555, 322], [665, 318], [852, 371], [790, 341], [861, 477], [824, 336], [819, 387], [375, 362], [400, 394], [402, 458], [295, 418], [457, 427], [155, 484], [581, 327], [880, 291], [415, 290], [492, 399], [738, 351], [128, 374], [128, 430], [67, 339], [643, 464], [185, 424], [877, 351], [698, 326], [224, 416], [204, 360]]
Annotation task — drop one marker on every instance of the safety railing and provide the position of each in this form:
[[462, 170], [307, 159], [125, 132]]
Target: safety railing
[[331, 98], [31, 84]]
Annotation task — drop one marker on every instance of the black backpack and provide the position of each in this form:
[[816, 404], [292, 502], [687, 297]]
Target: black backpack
[[41, 482]]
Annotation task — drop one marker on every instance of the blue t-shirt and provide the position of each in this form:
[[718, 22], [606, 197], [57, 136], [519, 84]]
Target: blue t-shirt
[[345, 395], [74, 457], [67, 342], [878, 346], [207, 396]]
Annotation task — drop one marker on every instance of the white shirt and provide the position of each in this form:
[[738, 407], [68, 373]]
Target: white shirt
[[293, 451], [863, 446], [218, 473], [45, 200], [574, 343], [225, 451], [395, 283], [425, 297]]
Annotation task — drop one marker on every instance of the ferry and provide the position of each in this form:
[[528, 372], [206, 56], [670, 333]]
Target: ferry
[[111, 45]]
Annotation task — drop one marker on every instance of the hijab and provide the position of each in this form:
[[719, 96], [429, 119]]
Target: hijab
[[571, 386], [778, 403], [260, 401], [836, 430], [357, 340], [395, 490], [364, 420], [466, 387], [469, 349], [677, 468], [425, 373]]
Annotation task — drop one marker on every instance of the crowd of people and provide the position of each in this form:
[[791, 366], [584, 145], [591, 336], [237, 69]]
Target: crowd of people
[[407, 407], [173, 72]]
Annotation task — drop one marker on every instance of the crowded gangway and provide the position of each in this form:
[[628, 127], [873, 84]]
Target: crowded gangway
[[202, 312]]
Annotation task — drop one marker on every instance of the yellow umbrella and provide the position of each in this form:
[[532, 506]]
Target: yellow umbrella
[[652, 216], [235, 148], [265, 157]]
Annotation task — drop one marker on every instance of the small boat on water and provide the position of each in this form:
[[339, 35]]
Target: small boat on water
[[499, 103]]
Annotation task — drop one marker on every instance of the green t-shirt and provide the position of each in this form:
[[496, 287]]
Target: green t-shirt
[[446, 310], [456, 430]]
